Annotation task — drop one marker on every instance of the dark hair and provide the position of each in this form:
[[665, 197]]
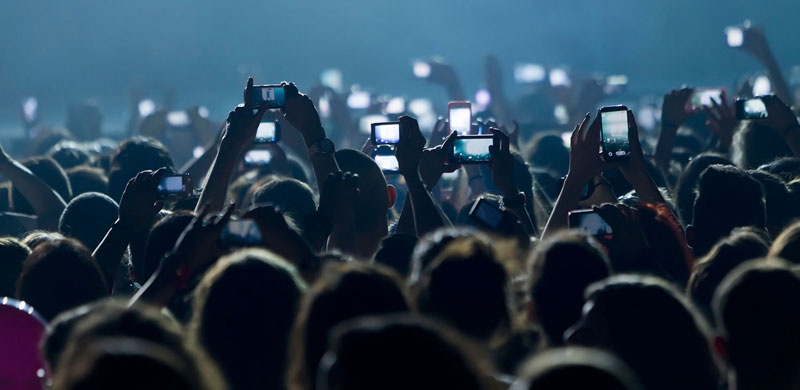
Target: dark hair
[[716, 212], [742, 245], [84, 179], [244, 310], [289, 195], [467, 288], [549, 152], [51, 173], [162, 238], [430, 245], [372, 200], [401, 352], [69, 154], [780, 207], [653, 328], [575, 368], [12, 255], [561, 267], [758, 314], [687, 181], [787, 168], [755, 144], [787, 244], [343, 292], [88, 217], [670, 257], [395, 252], [58, 276], [134, 155]]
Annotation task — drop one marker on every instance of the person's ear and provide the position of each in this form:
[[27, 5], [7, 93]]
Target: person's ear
[[391, 194], [721, 348], [690, 236]]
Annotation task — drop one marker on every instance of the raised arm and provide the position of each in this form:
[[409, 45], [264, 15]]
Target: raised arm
[[635, 169], [781, 118], [675, 112], [755, 43], [45, 201], [503, 177]]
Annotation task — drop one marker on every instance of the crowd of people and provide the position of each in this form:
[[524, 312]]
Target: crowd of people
[[354, 277]]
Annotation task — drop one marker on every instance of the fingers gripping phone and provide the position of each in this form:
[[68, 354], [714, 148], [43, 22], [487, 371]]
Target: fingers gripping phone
[[590, 222], [273, 95], [754, 108], [175, 187], [614, 129], [268, 132], [385, 133], [459, 116], [239, 233], [472, 149]]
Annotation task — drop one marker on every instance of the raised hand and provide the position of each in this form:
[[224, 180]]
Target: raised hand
[[502, 164], [278, 236], [781, 118], [584, 157], [409, 148], [139, 204], [435, 161], [302, 114], [635, 167], [439, 132], [198, 244], [242, 124], [676, 109], [721, 120]]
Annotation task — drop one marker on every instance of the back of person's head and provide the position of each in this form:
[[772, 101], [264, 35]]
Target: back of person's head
[[84, 179], [134, 155], [12, 255], [685, 186], [395, 252], [651, 327], [727, 198], [787, 168], [430, 245], [398, 353], [60, 275], [88, 217], [787, 244], [84, 120], [549, 152], [575, 368], [69, 154], [373, 198], [36, 237], [244, 310], [129, 364], [343, 292], [781, 208], [466, 287], [51, 173], [758, 315], [755, 144], [162, 238], [742, 245], [291, 196], [561, 268]]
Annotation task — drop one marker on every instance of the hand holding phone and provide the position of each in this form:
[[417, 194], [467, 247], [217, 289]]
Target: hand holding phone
[[175, 187], [614, 129], [490, 216], [590, 222], [754, 108], [385, 133], [273, 95], [472, 149], [239, 233]]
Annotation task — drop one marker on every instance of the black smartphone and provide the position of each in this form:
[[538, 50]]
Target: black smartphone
[[472, 149], [239, 233], [751, 109], [589, 222], [273, 95], [386, 160], [491, 216], [175, 187], [385, 133], [257, 158], [614, 128], [268, 132]]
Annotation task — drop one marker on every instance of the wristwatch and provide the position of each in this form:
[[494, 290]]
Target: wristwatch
[[323, 145]]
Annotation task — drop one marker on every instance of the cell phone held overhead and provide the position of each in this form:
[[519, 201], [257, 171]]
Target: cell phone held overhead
[[472, 149], [175, 187], [590, 222], [268, 132], [239, 233], [614, 128], [754, 108], [273, 95], [385, 133]]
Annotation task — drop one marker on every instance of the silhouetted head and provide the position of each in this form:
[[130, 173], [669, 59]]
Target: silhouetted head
[[787, 168], [163, 235], [755, 144], [59, 275], [652, 328], [84, 179], [291, 196], [244, 310], [787, 244], [84, 121], [430, 245], [742, 245], [395, 252], [780, 206], [575, 368], [344, 291], [69, 154], [12, 255], [561, 268], [88, 217], [51, 173], [758, 316], [549, 152], [399, 353], [134, 155], [727, 198], [685, 187]]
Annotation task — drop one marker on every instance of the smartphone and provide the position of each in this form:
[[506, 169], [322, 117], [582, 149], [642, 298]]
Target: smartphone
[[751, 109], [490, 216], [385, 133], [735, 36], [472, 149], [175, 187], [590, 223], [386, 160], [240, 233], [268, 132], [273, 95], [702, 96], [257, 158], [614, 127], [459, 116]]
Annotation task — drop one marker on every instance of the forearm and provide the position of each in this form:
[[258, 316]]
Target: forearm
[[323, 164], [666, 142], [427, 215], [645, 187], [158, 290], [776, 78], [406, 222], [215, 187], [46, 202], [524, 217], [567, 201], [109, 252]]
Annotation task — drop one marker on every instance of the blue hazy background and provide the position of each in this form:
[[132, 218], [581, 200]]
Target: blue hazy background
[[203, 50]]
